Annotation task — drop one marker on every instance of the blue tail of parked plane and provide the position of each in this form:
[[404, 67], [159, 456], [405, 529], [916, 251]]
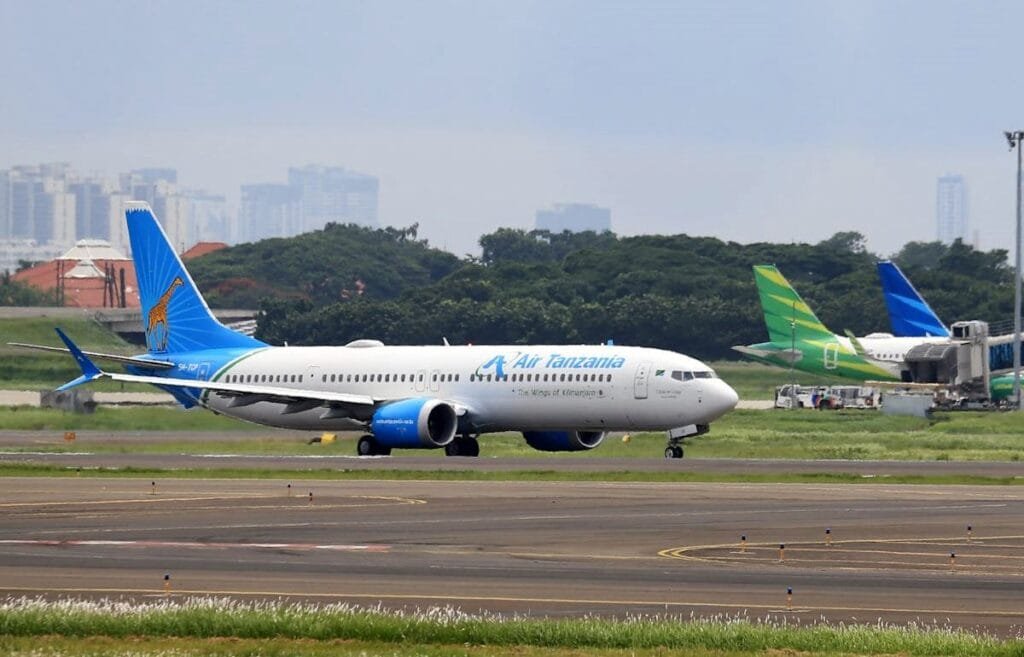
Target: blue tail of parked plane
[[909, 314], [175, 316]]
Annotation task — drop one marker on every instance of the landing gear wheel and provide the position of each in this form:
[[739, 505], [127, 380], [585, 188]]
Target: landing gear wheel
[[463, 446], [674, 452], [368, 446]]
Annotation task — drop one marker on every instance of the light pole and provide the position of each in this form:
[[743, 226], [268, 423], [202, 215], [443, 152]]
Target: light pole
[[1013, 139]]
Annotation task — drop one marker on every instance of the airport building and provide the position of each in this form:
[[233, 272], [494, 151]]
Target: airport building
[[575, 218], [951, 209]]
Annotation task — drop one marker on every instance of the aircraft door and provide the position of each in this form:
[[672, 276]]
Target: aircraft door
[[643, 371], [204, 371], [435, 377], [312, 375], [421, 381], [830, 356]]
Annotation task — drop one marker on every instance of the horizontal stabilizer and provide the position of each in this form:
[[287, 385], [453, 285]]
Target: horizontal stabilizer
[[145, 363]]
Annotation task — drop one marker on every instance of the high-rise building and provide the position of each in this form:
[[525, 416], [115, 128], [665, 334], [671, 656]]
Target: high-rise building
[[334, 194], [574, 217], [951, 209], [209, 218], [159, 188], [268, 210]]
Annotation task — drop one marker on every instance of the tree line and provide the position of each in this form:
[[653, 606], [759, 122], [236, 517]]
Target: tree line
[[690, 294]]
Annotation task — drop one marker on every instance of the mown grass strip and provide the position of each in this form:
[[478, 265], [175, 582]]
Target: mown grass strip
[[44, 470], [205, 618]]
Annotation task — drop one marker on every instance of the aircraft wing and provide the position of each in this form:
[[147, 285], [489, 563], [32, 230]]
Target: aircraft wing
[[241, 394], [127, 360]]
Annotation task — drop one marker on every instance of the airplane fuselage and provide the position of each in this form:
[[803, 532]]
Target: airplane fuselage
[[495, 388]]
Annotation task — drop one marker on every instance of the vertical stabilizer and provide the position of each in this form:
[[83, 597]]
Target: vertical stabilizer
[[175, 316], [909, 314], [787, 316]]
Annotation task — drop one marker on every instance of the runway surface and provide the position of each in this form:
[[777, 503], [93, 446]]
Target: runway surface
[[550, 548]]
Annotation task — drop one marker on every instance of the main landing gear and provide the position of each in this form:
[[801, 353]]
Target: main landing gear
[[368, 446], [674, 449], [463, 446]]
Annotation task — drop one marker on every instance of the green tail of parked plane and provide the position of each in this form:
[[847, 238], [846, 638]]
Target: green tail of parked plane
[[798, 339]]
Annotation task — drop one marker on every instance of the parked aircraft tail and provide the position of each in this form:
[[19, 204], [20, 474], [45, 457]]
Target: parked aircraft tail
[[909, 314], [175, 316], [787, 316]]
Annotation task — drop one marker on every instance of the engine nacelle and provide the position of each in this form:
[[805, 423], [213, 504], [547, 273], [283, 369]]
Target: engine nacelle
[[563, 441], [415, 423]]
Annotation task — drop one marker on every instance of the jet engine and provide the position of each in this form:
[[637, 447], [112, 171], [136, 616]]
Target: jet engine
[[563, 441], [415, 423]]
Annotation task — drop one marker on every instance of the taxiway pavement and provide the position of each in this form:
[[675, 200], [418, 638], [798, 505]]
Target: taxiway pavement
[[540, 548]]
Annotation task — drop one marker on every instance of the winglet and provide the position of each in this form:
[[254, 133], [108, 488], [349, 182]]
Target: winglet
[[857, 346], [89, 370]]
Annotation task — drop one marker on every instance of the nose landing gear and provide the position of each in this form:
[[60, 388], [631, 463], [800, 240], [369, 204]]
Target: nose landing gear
[[674, 449]]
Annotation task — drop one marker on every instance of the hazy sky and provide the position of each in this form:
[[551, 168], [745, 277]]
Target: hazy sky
[[750, 121]]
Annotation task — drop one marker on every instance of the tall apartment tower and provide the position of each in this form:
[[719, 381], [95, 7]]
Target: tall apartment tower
[[334, 194], [575, 218], [267, 210], [951, 209]]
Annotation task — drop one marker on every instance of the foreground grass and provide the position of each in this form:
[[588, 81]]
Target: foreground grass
[[799, 434], [58, 646], [207, 619]]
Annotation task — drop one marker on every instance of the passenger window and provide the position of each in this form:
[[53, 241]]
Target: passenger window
[[609, 379], [456, 378]]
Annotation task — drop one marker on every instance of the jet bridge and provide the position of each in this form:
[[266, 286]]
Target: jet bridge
[[962, 364]]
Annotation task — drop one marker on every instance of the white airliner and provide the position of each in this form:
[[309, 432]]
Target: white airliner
[[562, 398]]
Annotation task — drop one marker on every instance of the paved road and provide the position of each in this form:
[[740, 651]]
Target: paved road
[[553, 549]]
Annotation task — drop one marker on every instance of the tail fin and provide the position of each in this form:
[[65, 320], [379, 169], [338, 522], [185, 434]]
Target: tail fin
[[175, 317], [909, 314], [787, 316]]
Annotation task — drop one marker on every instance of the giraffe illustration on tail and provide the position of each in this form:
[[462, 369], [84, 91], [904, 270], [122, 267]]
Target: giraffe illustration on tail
[[156, 339]]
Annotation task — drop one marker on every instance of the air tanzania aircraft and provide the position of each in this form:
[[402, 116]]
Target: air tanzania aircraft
[[798, 339], [562, 398]]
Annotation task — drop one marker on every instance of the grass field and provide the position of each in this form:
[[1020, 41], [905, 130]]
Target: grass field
[[36, 370], [218, 627], [800, 434]]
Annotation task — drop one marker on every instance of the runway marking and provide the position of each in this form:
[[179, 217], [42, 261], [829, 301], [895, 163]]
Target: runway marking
[[299, 501], [195, 544], [967, 554], [774, 607]]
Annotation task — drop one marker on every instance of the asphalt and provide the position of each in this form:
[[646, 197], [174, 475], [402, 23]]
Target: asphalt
[[548, 548]]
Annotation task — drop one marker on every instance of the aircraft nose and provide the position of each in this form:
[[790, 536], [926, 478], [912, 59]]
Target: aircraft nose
[[719, 399]]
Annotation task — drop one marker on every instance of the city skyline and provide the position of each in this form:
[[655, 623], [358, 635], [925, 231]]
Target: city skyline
[[787, 121]]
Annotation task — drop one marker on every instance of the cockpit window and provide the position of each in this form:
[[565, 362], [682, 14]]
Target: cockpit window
[[682, 376], [707, 374]]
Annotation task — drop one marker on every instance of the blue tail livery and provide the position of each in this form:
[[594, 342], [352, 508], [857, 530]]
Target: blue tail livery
[[909, 314], [175, 316]]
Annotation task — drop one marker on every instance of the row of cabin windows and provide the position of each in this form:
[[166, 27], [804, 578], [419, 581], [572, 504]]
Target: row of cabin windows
[[537, 378], [402, 378], [265, 378], [386, 378]]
